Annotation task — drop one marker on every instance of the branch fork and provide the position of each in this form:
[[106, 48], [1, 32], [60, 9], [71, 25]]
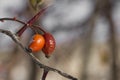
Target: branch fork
[[15, 38]]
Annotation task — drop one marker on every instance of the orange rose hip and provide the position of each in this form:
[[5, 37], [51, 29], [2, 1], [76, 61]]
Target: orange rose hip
[[37, 43]]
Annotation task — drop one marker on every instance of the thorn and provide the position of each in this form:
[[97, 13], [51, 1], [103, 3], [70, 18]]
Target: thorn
[[2, 20], [14, 18]]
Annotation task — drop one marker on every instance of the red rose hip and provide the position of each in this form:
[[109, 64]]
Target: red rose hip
[[49, 44]]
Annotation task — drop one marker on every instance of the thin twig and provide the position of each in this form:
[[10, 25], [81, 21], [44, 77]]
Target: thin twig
[[36, 60], [45, 72], [12, 19], [31, 21], [38, 27]]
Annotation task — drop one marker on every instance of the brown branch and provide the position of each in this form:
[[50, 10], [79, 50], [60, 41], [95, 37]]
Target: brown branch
[[36, 60], [12, 19], [44, 74]]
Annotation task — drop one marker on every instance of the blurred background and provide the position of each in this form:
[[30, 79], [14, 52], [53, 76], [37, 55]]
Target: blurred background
[[87, 34]]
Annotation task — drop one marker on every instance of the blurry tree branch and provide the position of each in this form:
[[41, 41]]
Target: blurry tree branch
[[36, 60], [107, 12], [104, 8], [113, 45], [87, 47]]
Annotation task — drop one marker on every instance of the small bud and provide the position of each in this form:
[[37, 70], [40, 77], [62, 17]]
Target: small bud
[[14, 18]]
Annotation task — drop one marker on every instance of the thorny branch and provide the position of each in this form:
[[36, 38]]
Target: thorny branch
[[19, 21], [36, 60]]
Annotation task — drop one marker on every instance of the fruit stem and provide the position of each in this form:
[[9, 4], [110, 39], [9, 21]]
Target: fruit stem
[[39, 28]]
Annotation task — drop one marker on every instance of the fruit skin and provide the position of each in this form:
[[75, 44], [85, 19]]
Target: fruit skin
[[37, 43], [49, 44]]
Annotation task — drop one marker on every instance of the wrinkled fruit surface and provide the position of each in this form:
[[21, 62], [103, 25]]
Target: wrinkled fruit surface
[[49, 44]]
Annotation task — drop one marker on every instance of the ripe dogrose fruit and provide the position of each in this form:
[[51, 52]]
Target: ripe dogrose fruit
[[49, 44], [37, 43]]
